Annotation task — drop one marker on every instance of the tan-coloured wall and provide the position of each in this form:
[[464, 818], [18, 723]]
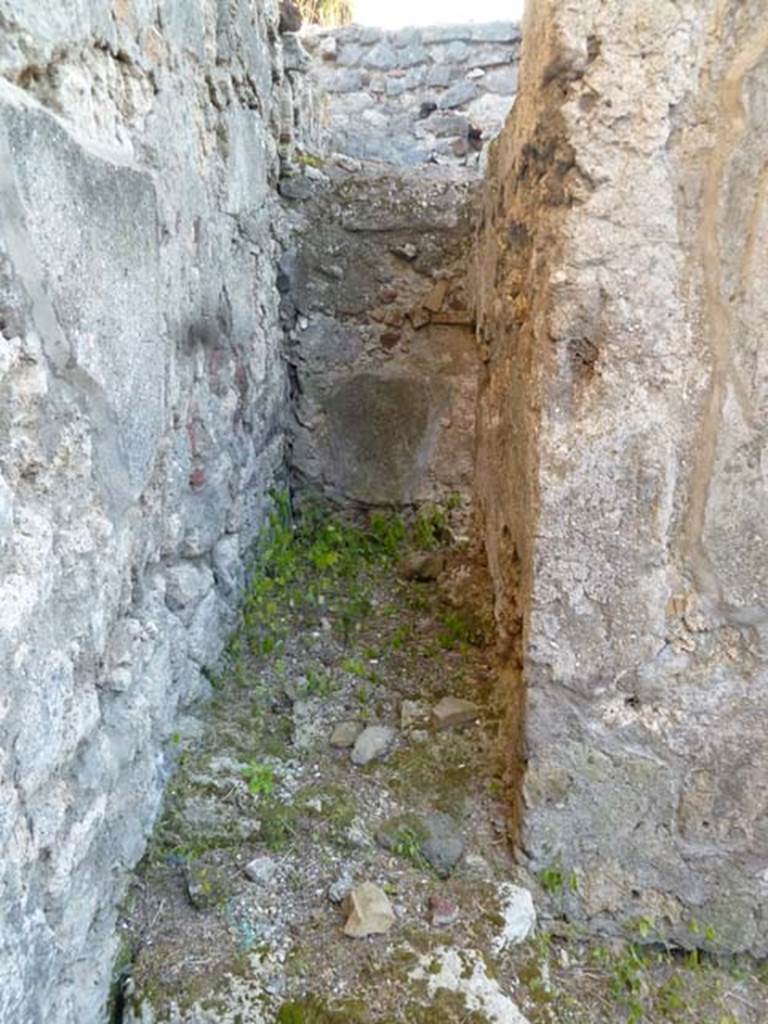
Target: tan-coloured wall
[[621, 455]]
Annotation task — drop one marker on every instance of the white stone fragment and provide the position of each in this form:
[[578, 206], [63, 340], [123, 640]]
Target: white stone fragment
[[519, 915]]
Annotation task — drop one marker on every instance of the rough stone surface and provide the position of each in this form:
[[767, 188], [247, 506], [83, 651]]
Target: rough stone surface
[[369, 910], [452, 711], [424, 566], [142, 398], [443, 844], [383, 354], [344, 734], [623, 317], [261, 870], [392, 80], [372, 743], [519, 916]]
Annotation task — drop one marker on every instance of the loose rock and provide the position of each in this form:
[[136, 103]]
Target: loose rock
[[208, 884], [344, 735], [442, 911], [519, 916], [261, 870], [370, 912], [452, 711], [443, 846], [434, 835], [422, 566], [373, 742]]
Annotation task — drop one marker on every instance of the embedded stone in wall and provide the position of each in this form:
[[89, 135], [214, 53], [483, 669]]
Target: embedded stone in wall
[[622, 316]]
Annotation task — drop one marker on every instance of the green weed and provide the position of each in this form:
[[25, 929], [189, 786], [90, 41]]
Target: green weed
[[260, 778]]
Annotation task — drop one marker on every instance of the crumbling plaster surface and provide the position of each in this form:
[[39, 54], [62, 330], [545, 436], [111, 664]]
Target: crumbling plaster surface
[[621, 456], [143, 403], [380, 335]]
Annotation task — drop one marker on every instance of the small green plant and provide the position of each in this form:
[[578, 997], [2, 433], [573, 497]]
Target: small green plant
[[309, 160], [260, 778], [278, 824], [355, 667], [641, 926], [430, 528], [402, 635], [552, 878], [406, 843], [460, 630], [320, 682], [629, 985]]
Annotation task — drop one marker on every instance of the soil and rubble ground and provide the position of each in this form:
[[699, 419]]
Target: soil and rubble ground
[[238, 911]]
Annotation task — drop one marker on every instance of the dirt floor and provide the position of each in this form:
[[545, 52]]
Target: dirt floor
[[238, 911]]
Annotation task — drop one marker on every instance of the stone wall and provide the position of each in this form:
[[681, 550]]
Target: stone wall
[[380, 336], [622, 442], [416, 95], [142, 411]]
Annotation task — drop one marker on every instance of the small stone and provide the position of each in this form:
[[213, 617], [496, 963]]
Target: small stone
[[491, 56], [407, 251], [452, 711], [344, 735], [261, 870], [382, 57], [186, 586], [208, 884], [290, 16], [519, 915], [434, 835], [373, 742], [411, 55], [339, 890], [345, 80], [419, 318], [502, 81], [443, 846], [475, 73], [459, 94], [440, 75], [295, 57], [435, 297], [496, 32], [422, 566], [297, 187], [347, 163], [350, 54], [369, 910], [442, 912], [328, 48]]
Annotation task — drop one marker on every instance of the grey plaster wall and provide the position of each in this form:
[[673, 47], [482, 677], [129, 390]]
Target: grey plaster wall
[[142, 412], [416, 95], [621, 449]]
